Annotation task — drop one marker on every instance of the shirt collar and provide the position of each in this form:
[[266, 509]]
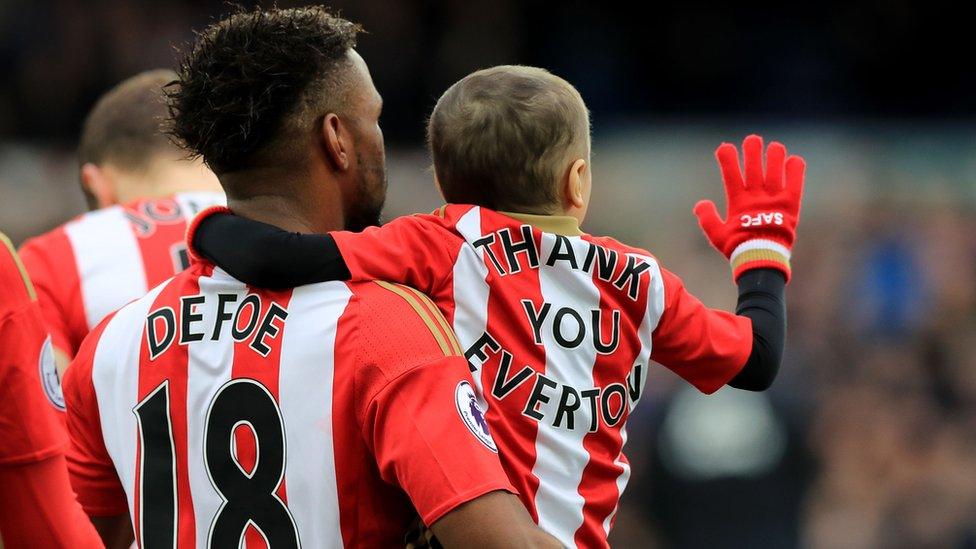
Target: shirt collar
[[556, 224]]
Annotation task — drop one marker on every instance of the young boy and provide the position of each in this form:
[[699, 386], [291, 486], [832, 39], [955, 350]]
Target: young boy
[[559, 327]]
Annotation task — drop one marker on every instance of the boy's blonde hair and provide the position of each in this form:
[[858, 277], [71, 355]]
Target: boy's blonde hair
[[501, 138]]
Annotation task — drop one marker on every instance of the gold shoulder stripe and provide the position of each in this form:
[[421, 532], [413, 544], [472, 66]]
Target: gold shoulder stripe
[[421, 312], [438, 316], [20, 266]]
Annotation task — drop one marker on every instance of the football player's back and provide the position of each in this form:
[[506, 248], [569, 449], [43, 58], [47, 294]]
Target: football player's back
[[142, 191], [308, 414], [103, 259]]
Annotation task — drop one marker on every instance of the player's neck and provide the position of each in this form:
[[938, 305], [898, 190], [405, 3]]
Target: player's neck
[[291, 202]]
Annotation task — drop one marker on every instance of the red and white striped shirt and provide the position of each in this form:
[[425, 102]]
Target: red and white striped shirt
[[101, 260], [559, 328], [329, 415]]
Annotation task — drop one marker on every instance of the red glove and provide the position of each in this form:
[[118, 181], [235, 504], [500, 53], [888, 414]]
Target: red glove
[[762, 211]]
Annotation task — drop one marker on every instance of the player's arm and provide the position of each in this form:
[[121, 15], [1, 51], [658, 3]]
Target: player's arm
[[37, 506], [412, 250], [90, 467], [426, 430], [711, 348]]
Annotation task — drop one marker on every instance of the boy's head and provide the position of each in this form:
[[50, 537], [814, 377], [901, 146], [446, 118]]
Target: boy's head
[[513, 138], [124, 154]]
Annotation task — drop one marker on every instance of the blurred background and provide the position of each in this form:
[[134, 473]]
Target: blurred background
[[868, 439]]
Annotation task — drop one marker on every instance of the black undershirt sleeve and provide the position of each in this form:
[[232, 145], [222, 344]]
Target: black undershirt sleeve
[[287, 259], [294, 259], [762, 298]]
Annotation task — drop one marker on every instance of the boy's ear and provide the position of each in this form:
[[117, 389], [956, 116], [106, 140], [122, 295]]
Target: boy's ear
[[575, 188], [336, 141], [98, 187]]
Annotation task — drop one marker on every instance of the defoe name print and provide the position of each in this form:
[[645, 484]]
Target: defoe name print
[[249, 321]]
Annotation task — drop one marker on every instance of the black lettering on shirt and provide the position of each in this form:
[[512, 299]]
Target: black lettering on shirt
[[538, 397], [630, 276], [525, 246], [188, 304], [160, 341]]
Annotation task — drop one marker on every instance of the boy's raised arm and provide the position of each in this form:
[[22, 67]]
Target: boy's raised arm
[[757, 235]]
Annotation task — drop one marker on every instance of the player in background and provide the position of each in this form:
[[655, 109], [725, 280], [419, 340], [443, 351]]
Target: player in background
[[558, 326], [38, 508], [142, 190], [328, 415]]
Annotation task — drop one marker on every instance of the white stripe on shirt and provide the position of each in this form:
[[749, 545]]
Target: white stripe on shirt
[[109, 262], [560, 454], [207, 371], [305, 392]]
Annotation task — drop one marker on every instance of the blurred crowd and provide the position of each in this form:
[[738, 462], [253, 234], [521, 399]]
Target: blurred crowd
[[891, 358], [697, 58]]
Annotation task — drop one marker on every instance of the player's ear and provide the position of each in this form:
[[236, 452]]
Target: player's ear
[[336, 142], [98, 187], [575, 185]]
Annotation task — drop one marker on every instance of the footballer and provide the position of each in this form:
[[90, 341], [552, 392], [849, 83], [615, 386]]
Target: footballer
[[214, 413]]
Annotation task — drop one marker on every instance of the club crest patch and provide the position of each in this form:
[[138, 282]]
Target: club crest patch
[[50, 379], [472, 415]]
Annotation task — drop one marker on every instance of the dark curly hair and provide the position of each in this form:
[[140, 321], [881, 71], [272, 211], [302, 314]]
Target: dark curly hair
[[250, 77]]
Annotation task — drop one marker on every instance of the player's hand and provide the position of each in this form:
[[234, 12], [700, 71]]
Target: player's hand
[[762, 209]]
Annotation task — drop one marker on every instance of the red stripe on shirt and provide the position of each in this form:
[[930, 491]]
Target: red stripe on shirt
[[50, 262], [345, 426], [171, 366], [443, 294], [516, 433], [160, 244], [249, 363], [359, 484]]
